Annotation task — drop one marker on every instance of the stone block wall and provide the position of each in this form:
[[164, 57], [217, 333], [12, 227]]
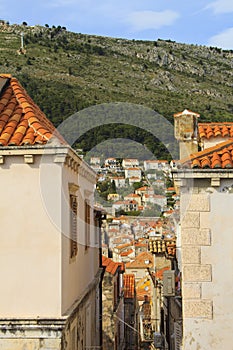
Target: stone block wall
[[195, 234]]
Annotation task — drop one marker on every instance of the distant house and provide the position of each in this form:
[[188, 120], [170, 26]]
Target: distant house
[[160, 200], [126, 205], [119, 181], [145, 189], [134, 179], [110, 163], [133, 172], [159, 183], [113, 197], [49, 233], [139, 266], [156, 165], [130, 163], [133, 197], [95, 161]]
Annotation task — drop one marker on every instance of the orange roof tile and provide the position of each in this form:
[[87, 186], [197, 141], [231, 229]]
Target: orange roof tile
[[21, 120], [132, 195], [123, 246], [139, 261], [126, 253], [208, 130], [219, 156], [162, 246], [111, 266], [129, 286]]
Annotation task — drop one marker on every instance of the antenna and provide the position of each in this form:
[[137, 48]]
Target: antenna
[[22, 40], [21, 51]]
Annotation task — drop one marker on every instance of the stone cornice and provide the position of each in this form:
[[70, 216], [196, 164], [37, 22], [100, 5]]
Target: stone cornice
[[30, 328], [202, 173]]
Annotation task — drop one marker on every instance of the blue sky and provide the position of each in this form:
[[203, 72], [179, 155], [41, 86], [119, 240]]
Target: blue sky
[[203, 22]]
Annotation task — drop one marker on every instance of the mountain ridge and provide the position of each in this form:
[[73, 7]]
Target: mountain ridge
[[66, 72]]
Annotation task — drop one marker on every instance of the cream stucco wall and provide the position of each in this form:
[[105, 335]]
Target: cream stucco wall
[[39, 277], [30, 244], [78, 272], [213, 141]]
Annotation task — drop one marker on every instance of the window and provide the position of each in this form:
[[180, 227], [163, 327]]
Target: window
[[73, 226], [87, 224]]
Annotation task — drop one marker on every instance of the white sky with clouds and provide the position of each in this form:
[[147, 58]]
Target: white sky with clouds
[[200, 22]]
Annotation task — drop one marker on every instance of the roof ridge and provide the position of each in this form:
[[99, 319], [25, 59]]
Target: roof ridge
[[22, 122], [214, 123], [25, 105], [210, 150]]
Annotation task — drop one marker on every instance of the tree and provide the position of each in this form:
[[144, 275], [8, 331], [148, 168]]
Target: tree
[[137, 185], [153, 211]]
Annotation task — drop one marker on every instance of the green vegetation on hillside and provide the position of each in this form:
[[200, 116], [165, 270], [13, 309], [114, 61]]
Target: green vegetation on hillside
[[67, 72]]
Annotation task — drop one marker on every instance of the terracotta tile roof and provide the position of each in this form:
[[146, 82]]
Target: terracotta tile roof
[[139, 261], [111, 266], [208, 130], [129, 286], [159, 273], [171, 189], [140, 244], [162, 246], [144, 188], [132, 195], [126, 253], [21, 120], [219, 156], [135, 168], [123, 246]]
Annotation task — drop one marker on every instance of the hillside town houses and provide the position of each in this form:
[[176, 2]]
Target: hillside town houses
[[127, 254]]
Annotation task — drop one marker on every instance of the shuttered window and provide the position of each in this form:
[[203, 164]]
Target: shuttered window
[[73, 226], [87, 224]]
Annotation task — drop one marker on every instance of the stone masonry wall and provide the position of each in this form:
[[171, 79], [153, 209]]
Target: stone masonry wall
[[195, 234]]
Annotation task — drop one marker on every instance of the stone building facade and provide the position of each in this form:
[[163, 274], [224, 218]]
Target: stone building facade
[[205, 183]]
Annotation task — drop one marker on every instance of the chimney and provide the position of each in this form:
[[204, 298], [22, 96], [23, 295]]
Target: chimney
[[186, 132]]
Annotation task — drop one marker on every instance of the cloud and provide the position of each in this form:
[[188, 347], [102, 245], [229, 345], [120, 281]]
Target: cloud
[[143, 20], [223, 39], [221, 6]]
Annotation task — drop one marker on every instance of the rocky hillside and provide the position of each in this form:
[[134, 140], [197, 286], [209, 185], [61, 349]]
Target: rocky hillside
[[66, 72]]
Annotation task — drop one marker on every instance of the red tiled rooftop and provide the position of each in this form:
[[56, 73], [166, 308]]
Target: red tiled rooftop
[[132, 195], [162, 246], [219, 156], [208, 130], [144, 188], [126, 253], [139, 261], [135, 168], [129, 286], [111, 266], [21, 120], [123, 246]]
